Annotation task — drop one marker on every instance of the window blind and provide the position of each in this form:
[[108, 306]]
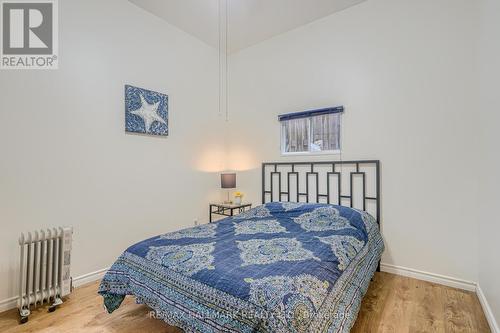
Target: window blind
[[311, 113]]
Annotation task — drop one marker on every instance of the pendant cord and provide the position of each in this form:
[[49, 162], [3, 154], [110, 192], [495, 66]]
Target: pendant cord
[[219, 56], [226, 58], [223, 46]]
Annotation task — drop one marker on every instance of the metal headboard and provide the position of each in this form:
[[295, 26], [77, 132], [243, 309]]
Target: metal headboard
[[328, 170]]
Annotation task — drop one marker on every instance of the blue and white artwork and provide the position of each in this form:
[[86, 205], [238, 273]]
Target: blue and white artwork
[[146, 111]]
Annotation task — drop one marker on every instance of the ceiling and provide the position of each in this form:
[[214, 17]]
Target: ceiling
[[249, 21]]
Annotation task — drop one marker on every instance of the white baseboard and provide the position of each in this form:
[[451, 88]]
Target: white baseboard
[[89, 277], [11, 303], [7, 304], [430, 277], [487, 310]]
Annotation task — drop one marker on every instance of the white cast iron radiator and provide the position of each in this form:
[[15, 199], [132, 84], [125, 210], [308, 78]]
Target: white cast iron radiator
[[45, 275]]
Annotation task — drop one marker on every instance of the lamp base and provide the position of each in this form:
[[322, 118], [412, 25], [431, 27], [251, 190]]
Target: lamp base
[[228, 201]]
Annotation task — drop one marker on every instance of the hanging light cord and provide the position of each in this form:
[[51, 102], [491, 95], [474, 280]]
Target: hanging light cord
[[219, 55], [223, 46], [226, 56]]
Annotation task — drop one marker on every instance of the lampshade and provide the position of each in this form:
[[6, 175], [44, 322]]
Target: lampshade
[[228, 180]]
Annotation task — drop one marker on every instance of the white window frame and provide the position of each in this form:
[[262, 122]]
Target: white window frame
[[309, 152]]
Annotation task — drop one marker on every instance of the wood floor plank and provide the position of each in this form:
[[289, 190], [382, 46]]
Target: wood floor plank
[[369, 317], [460, 315], [397, 310], [429, 308], [399, 304], [392, 304]]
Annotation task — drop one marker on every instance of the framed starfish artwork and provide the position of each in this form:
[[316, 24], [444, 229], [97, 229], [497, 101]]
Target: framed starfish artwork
[[146, 111]]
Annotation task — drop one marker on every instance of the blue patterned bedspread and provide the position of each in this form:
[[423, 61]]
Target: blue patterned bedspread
[[280, 267]]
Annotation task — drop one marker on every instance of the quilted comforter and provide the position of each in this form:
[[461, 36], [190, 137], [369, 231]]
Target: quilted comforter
[[279, 267]]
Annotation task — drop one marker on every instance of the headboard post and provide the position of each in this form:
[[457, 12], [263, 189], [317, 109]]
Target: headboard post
[[263, 183], [377, 170]]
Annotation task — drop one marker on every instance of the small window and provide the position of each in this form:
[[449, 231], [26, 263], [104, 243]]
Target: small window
[[311, 132]]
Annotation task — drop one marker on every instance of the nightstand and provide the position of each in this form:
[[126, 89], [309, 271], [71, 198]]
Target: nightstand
[[227, 209]]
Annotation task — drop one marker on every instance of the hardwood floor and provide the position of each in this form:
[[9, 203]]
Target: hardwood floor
[[400, 304], [392, 304]]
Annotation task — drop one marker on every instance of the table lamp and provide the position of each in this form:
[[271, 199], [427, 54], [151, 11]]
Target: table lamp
[[228, 180]]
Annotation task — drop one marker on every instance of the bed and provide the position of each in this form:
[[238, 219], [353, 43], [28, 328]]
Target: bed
[[280, 267]]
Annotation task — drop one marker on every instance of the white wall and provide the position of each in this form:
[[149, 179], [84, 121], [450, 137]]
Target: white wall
[[65, 158], [403, 69], [489, 137]]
